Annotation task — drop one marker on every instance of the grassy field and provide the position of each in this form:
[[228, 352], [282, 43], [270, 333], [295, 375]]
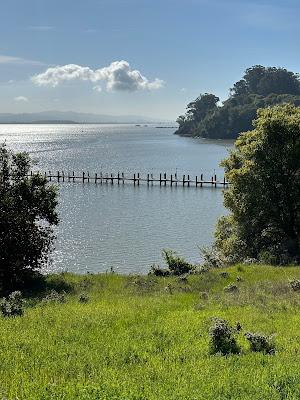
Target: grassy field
[[147, 338]]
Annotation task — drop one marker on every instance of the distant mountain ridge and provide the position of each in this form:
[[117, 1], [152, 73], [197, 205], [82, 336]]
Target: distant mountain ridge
[[73, 117]]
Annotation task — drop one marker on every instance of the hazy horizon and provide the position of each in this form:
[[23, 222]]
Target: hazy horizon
[[129, 57]]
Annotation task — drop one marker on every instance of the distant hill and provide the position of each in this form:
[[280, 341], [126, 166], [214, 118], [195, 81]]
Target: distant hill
[[67, 117], [260, 87]]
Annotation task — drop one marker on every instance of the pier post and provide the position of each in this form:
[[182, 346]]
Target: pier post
[[160, 179], [57, 176], [118, 178], [138, 177], [196, 180], [201, 180], [215, 180], [188, 180], [165, 178], [147, 179], [134, 179], [83, 177], [96, 177], [171, 179], [111, 179], [73, 176], [50, 176], [123, 177], [183, 180]]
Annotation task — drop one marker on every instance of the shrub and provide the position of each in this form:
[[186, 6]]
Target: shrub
[[222, 338], [12, 306], [261, 343], [231, 288], [55, 297], [224, 274], [295, 285], [158, 271], [176, 264], [83, 298]]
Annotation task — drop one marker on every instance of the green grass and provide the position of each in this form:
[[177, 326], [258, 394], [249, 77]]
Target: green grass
[[147, 338]]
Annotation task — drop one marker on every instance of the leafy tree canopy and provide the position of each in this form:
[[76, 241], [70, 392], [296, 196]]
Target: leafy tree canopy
[[260, 87], [264, 195], [27, 216]]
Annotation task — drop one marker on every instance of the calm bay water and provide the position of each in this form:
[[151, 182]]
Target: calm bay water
[[124, 227]]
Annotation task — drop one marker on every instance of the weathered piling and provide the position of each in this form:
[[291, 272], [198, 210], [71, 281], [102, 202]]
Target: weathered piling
[[136, 179]]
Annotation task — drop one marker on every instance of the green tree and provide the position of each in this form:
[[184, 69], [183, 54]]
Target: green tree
[[27, 216], [264, 195]]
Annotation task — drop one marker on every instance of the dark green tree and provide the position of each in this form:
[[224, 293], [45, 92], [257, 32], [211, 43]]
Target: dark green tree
[[264, 194], [27, 216]]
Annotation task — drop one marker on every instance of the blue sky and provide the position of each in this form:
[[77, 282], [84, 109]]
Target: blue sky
[[179, 48]]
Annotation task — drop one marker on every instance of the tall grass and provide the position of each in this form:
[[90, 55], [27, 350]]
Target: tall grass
[[141, 337]]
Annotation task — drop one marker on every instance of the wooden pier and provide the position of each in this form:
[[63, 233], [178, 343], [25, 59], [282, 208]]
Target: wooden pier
[[120, 178]]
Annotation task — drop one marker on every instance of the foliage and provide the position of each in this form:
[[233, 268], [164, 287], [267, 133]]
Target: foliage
[[55, 297], [260, 87], [261, 343], [231, 288], [83, 298], [295, 284], [124, 345], [176, 264], [27, 215], [222, 338], [158, 270], [264, 194], [12, 306]]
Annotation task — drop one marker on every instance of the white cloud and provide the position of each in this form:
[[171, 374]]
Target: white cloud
[[21, 98], [118, 76], [18, 60]]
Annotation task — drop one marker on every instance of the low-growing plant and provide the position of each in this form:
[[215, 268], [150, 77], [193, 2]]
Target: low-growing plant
[[224, 274], [261, 343], [295, 285], [12, 306], [222, 338], [83, 298], [55, 297], [157, 270], [177, 265], [231, 288]]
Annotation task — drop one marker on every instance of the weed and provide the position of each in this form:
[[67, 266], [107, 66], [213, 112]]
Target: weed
[[12, 306], [176, 264], [55, 297], [222, 338], [261, 343], [231, 288], [83, 298], [295, 285]]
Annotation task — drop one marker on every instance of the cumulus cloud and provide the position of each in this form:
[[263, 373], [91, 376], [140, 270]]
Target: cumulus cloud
[[118, 76], [21, 98]]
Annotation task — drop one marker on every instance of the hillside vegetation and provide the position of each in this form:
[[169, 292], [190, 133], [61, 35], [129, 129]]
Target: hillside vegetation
[[146, 337], [260, 87]]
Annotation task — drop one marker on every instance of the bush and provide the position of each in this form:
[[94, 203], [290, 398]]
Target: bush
[[295, 285], [261, 343], [231, 288], [224, 274], [176, 264], [55, 297], [83, 298], [158, 271], [222, 338], [12, 306]]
